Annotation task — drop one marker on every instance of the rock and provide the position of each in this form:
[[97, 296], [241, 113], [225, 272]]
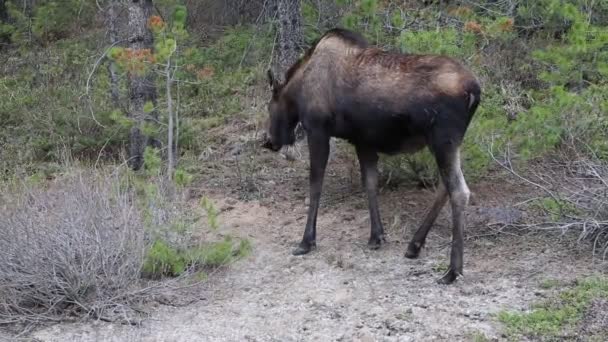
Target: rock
[[499, 215]]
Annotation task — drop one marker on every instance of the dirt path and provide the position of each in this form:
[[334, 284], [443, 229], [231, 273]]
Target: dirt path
[[343, 291]]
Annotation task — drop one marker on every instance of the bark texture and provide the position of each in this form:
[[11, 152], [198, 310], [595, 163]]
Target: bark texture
[[113, 35], [290, 38], [142, 88], [3, 12]]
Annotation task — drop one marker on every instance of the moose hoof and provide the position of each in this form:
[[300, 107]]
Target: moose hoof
[[413, 250], [449, 277], [304, 248], [375, 242]]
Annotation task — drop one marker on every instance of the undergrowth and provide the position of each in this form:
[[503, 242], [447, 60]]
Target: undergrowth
[[558, 317], [99, 242]]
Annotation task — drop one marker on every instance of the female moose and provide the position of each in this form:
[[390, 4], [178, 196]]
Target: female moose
[[380, 102]]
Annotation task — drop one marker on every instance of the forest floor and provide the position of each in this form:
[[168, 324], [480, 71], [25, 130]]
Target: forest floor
[[343, 291]]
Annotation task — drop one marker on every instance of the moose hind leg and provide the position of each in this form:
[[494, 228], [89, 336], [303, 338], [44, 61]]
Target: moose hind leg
[[417, 242], [318, 145], [459, 197], [368, 161]]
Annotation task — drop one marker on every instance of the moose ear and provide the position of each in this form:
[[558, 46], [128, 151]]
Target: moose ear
[[274, 84]]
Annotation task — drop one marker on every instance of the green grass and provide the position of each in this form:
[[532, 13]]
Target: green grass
[[163, 260], [558, 316], [440, 267], [549, 284]]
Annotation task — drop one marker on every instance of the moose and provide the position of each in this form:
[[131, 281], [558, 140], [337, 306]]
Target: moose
[[380, 102]]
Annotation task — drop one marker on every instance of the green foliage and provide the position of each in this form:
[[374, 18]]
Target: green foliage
[[148, 107], [41, 117], [182, 177], [214, 255], [152, 161], [581, 55], [162, 260], [6, 32], [552, 318], [173, 229], [53, 19], [363, 16], [211, 213], [447, 41], [555, 208], [440, 267], [40, 110], [570, 110], [549, 284], [397, 19], [218, 77], [310, 15], [180, 14]]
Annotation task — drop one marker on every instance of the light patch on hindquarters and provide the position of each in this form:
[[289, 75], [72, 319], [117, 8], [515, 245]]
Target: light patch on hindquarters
[[448, 82]]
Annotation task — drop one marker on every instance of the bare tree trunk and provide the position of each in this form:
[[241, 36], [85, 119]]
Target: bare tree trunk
[[170, 144], [142, 88], [290, 43], [3, 12], [112, 21], [290, 36]]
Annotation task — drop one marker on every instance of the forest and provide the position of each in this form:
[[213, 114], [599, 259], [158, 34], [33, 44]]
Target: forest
[[138, 203]]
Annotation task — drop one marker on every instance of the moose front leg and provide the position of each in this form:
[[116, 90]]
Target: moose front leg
[[318, 146], [368, 161]]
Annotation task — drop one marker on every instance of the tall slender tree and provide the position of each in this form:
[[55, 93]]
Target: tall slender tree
[[114, 39], [290, 39], [290, 43], [3, 12], [142, 87]]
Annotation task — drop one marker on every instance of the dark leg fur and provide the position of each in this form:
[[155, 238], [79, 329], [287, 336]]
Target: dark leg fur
[[414, 247], [318, 145], [368, 161], [451, 174]]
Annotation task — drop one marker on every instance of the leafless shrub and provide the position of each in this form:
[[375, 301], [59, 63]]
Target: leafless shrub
[[575, 189], [72, 247]]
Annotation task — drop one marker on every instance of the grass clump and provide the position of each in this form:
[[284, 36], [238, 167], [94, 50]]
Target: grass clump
[[559, 316], [175, 231], [164, 260]]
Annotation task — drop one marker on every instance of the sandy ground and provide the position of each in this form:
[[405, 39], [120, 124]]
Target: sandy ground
[[343, 291]]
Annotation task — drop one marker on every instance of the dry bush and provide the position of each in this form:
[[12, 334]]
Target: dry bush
[[574, 195], [72, 247]]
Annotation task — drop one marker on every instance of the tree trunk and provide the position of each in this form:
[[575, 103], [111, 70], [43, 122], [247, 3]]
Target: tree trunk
[[290, 36], [290, 43], [170, 143], [112, 23], [142, 87], [3, 12]]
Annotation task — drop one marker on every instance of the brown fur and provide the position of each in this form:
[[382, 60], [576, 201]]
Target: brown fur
[[381, 102]]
